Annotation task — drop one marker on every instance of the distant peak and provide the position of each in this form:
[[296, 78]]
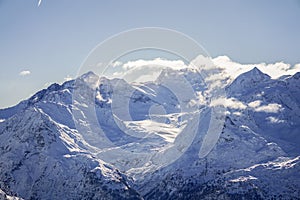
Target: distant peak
[[250, 79], [296, 76], [255, 72], [90, 78], [88, 74]]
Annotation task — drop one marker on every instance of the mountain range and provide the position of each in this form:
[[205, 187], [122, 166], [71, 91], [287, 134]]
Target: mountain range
[[99, 138]]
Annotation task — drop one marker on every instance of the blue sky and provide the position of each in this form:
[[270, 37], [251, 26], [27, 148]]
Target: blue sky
[[52, 40]]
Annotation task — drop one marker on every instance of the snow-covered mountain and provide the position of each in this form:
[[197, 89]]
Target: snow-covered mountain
[[97, 138]]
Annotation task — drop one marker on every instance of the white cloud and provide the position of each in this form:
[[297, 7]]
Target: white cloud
[[214, 76], [159, 62], [144, 70], [297, 66], [217, 71], [275, 70], [229, 103], [24, 73], [274, 120], [254, 104], [270, 108], [202, 62], [139, 73]]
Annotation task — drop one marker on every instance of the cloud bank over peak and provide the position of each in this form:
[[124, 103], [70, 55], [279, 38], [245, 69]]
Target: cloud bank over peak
[[227, 69], [275, 70]]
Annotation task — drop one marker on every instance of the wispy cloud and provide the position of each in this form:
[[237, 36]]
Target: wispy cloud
[[25, 73]]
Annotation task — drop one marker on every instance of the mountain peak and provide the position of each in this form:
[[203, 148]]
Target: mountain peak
[[250, 79], [296, 76], [88, 75], [254, 74], [90, 78], [255, 71]]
